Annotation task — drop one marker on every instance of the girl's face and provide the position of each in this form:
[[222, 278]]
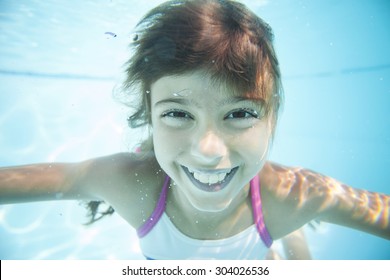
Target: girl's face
[[209, 140]]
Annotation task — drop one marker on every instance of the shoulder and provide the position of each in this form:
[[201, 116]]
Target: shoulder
[[291, 197], [130, 183], [120, 167]]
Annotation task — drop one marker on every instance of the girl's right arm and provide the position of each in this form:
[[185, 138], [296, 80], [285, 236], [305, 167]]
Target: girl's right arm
[[101, 178], [37, 182], [118, 179]]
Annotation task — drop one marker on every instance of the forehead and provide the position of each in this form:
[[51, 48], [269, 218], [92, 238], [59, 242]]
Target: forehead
[[198, 91], [195, 83], [178, 83]]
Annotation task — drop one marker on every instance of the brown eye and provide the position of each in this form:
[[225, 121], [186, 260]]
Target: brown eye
[[242, 114], [177, 114]]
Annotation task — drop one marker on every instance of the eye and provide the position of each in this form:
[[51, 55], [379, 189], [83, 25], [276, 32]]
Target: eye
[[242, 114], [177, 118], [177, 114]]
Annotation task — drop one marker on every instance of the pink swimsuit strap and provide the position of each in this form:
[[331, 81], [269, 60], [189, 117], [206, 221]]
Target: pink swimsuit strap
[[257, 209], [256, 205], [157, 213]]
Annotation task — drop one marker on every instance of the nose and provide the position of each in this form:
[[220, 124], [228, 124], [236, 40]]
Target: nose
[[209, 147]]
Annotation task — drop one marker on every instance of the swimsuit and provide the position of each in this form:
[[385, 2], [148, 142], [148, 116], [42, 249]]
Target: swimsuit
[[160, 239]]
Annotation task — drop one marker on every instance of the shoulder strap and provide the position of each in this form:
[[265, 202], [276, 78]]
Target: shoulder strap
[[258, 211], [157, 213]]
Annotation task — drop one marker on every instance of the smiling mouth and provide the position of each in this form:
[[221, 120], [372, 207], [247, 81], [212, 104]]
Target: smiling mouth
[[212, 181]]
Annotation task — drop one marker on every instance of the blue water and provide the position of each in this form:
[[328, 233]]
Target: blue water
[[58, 69]]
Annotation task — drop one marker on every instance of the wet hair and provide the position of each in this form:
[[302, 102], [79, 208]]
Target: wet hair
[[95, 213], [222, 38]]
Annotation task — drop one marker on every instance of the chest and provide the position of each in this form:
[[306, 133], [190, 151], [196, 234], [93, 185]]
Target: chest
[[165, 241]]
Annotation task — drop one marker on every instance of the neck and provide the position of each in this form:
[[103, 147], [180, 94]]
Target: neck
[[197, 223]]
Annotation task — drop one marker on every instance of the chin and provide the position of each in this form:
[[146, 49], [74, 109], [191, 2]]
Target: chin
[[210, 203], [210, 209]]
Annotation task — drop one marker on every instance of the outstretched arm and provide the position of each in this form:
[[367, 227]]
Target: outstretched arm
[[296, 196], [360, 209], [36, 182], [91, 179], [120, 180]]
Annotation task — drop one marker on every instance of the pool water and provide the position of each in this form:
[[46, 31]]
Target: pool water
[[60, 62]]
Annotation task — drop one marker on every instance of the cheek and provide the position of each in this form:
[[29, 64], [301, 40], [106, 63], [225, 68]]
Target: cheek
[[254, 143], [167, 142]]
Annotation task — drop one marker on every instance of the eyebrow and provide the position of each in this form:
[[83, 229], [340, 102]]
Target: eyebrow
[[237, 99], [225, 102], [177, 100]]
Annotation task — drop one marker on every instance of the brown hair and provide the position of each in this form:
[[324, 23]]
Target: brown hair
[[221, 37]]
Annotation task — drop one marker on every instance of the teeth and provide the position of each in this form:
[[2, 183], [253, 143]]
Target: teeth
[[221, 176], [209, 178], [213, 179]]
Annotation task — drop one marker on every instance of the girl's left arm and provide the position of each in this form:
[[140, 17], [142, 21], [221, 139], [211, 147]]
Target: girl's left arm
[[360, 209], [306, 195]]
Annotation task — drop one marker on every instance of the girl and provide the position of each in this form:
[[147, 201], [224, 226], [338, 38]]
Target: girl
[[208, 87]]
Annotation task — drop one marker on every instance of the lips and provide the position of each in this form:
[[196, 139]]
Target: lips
[[211, 181]]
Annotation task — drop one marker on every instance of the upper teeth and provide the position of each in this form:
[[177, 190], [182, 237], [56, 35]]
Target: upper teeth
[[209, 178]]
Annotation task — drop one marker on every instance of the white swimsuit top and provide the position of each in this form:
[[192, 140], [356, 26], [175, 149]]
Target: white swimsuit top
[[160, 239]]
